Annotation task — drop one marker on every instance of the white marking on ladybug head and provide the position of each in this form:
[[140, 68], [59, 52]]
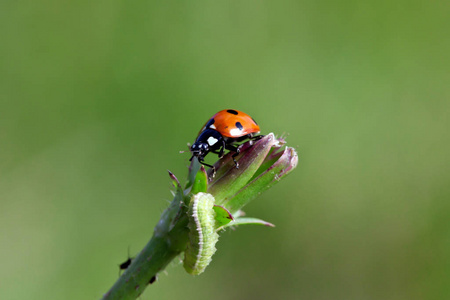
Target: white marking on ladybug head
[[211, 140], [212, 126]]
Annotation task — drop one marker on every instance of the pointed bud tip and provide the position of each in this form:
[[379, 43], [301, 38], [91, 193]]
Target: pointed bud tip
[[270, 138], [293, 158], [173, 177]]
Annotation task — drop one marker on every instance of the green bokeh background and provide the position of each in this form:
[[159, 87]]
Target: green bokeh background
[[98, 98]]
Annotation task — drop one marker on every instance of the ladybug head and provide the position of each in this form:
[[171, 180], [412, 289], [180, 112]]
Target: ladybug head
[[200, 149], [208, 140]]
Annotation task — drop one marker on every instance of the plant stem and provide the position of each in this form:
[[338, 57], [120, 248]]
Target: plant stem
[[168, 241], [233, 189]]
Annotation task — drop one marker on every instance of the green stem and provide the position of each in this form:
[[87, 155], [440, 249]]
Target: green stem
[[233, 190], [169, 240]]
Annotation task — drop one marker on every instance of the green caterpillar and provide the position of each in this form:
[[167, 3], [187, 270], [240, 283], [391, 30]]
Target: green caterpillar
[[202, 234]]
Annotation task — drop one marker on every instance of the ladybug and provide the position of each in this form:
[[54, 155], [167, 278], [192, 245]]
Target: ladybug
[[223, 131]]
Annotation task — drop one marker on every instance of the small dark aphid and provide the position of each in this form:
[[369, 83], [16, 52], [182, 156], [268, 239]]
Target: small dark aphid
[[125, 264], [153, 279]]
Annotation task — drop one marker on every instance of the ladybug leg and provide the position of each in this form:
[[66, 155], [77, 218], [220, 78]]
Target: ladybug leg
[[257, 137], [212, 168], [205, 164], [252, 139], [236, 153], [234, 159], [222, 149], [218, 152]]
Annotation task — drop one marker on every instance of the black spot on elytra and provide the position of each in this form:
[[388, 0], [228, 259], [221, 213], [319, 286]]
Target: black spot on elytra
[[232, 111], [239, 125], [254, 121], [210, 122]]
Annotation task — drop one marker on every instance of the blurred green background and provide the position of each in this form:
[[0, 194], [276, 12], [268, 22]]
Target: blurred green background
[[98, 98]]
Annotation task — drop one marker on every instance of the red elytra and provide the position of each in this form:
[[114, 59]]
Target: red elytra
[[232, 123]]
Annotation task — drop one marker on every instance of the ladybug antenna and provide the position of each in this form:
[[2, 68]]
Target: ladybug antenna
[[189, 147]]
